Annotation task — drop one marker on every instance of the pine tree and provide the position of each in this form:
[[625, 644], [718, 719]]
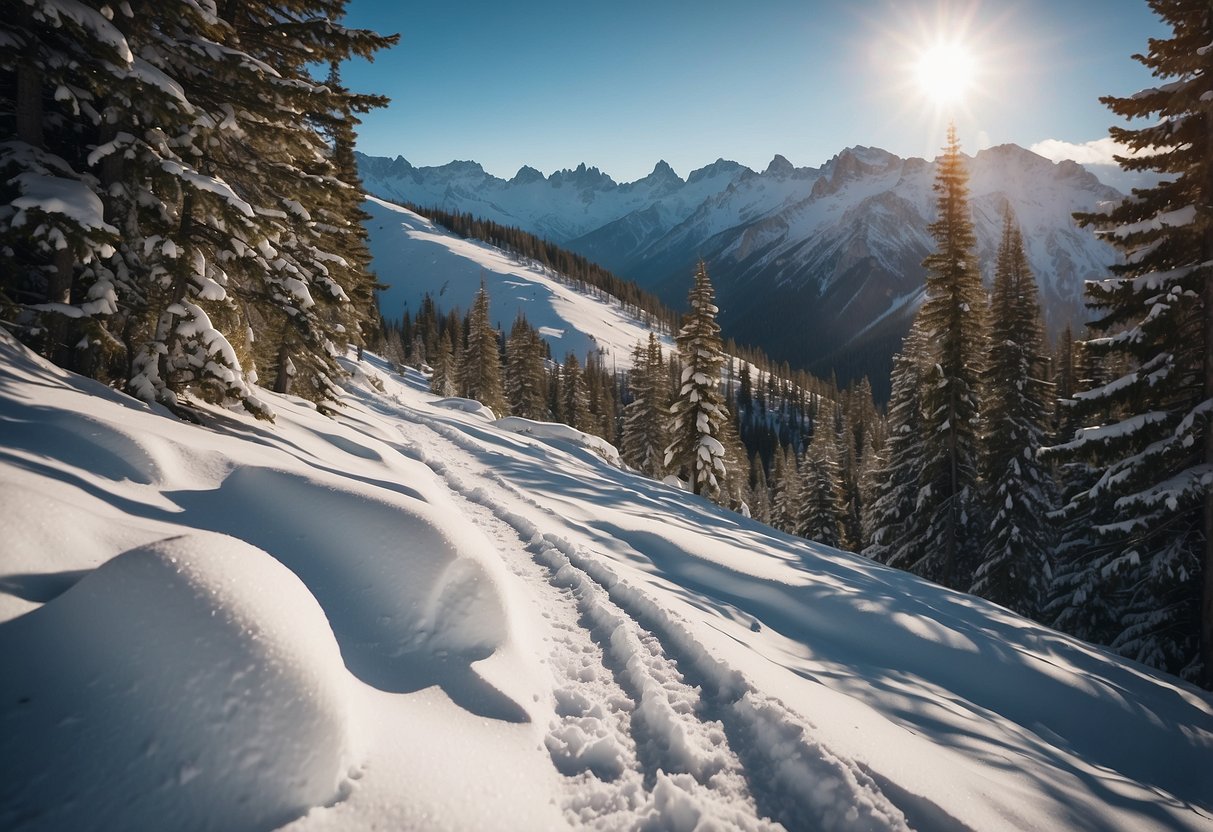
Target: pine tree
[[575, 396], [645, 427], [736, 483], [819, 512], [525, 381], [1018, 490], [1153, 499], [890, 508], [225, 227], [952, 321], [479, 374], [698, 412], [784, 489], [759, 498], [443, 381]]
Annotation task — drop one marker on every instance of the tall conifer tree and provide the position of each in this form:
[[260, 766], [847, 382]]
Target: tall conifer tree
[[1154, 448], [575, 395], [699, 412], [479, 371], [1018, 490], [889, 508], [525, 381], [645, 427], [953, 326]]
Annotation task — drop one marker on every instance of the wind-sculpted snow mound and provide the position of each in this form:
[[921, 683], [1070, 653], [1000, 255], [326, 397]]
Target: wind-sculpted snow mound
[[190, 683], [409, 604], [561, 433]]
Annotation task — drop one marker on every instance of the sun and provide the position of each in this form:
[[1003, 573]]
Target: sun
[[945, 72]]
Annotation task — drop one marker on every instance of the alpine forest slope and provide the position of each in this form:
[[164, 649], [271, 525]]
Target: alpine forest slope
[[837, 249], [407, 615]]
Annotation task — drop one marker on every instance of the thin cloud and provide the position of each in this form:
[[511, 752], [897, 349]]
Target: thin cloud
[[1095, 152]]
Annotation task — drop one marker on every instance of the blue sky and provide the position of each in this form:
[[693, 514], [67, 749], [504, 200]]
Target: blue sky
[[620, 85]]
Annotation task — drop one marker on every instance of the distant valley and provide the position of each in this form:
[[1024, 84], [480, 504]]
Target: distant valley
[[820, 267]]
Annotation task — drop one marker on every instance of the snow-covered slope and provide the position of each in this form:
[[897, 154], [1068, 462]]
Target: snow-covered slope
[[409, 617], [414, 257]]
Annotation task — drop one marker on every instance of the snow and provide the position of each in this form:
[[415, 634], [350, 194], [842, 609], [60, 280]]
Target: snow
[[467, 406], [408, 617], [248, 725], [414, 257], [561, 433], [56, 195]]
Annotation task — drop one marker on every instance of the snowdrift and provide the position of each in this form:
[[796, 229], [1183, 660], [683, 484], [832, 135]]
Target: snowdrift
[[192, 683], [411, 617]]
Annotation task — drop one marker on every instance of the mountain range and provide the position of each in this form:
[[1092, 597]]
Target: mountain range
[[821, 267]]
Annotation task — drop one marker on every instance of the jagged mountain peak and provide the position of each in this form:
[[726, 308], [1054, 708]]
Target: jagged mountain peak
[[721, 167], [526, 175], [582, 177], [779, 166], [462, 168], [663, 176]]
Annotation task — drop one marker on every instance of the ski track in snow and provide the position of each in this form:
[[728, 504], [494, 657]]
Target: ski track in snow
[[649, 723]]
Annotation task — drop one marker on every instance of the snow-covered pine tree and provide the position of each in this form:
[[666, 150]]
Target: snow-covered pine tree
[[308, 246], [861, 424], [344, 219], [196, 128], [1019, 493], [698, 412], [645, 428], [479, 369], [58, 63], [784, 479], [952, 319], [1154, 448], [889, 509], [1081, 600], [819, 511], [525, 381]]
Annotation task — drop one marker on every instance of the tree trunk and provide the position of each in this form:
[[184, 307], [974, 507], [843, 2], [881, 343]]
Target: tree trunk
[[167, 324], [29, 104], [282, 382], [110, 168]]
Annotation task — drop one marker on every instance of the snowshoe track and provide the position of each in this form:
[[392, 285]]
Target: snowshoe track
[[652, 731]]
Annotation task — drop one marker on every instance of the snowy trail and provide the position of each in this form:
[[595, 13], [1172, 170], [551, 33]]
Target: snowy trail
[[702, 738], [411, 617]]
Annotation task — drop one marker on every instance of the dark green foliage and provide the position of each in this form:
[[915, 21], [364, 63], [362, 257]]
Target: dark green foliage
[[525, 381], [1014, 567], [221, 228], [574, 394], [1148, 440], [953, 329], [646, 417], [479, 372], [891, 504]]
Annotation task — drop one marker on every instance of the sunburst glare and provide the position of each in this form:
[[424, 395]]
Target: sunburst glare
[[945, 72]]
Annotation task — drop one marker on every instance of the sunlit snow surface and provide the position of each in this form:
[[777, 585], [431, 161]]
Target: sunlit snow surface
[[408, 617], [415, 257]]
